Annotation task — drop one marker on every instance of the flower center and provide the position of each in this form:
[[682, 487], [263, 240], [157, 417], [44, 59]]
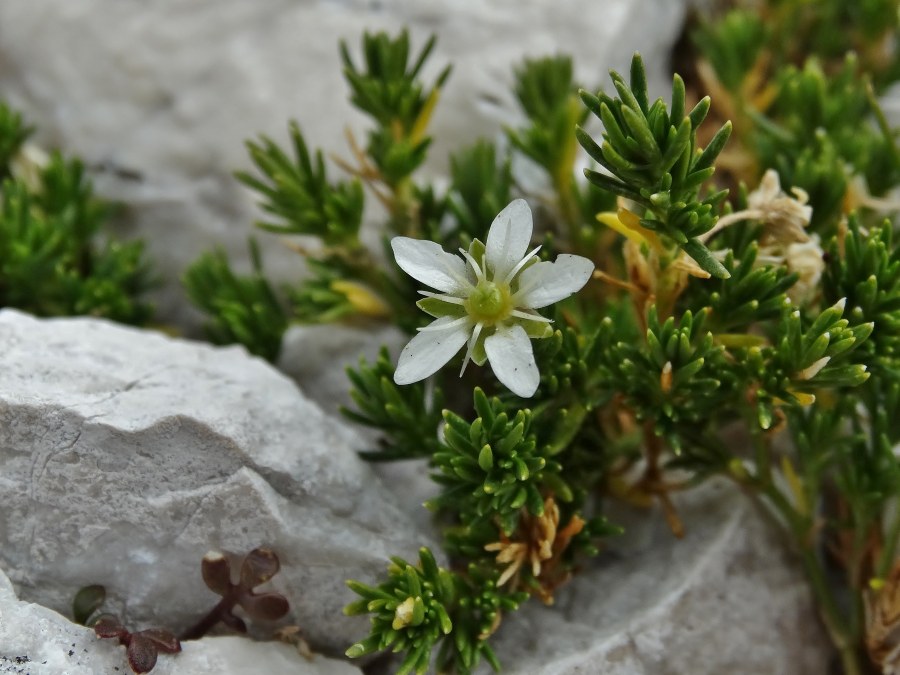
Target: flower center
[[489, 302]]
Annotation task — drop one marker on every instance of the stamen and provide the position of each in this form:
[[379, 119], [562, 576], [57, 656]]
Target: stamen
[[523, 290], [519, 314], [471, 348], [515, 270], [478, 273], [443, 297], [432, 328], [461, 280]]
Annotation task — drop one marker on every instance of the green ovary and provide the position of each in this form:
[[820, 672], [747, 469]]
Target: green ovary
[[489, 303]]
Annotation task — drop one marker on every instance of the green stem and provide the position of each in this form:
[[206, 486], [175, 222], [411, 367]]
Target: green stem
[[568, 208], [840, 633], [889, 549], [402, 216], [831, 615], [861, 528]]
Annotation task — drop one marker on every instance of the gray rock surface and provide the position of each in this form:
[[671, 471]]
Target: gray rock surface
[[728, 598], [38, 641], [158, 96], [317, 357], [126, 455]]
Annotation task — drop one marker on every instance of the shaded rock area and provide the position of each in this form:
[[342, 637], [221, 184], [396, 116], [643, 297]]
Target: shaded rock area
[[317, 357], [159, 96], [38, 641], [727, 598], [126, 455]]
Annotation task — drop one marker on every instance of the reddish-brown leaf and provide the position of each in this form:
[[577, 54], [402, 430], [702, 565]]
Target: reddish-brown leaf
[[164, 640], [265, 607], [233, 622], [109, 626], [142, 653], [216, 572], [260, 565]]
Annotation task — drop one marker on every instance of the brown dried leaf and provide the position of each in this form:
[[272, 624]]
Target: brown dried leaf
[[216, 572], [233, 622], [142, 653], [882, 607], [164, 640], [109, 626], [265, 607], [260, 565]]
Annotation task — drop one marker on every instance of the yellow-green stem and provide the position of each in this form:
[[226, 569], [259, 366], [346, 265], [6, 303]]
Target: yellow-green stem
[[840, 633]]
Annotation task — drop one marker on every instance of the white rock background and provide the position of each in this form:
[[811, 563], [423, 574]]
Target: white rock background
[[158, 96], [37, 641], [126, 455]]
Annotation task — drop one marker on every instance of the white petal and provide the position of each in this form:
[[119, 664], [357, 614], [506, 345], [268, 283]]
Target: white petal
[[548, 282], [428, 351], [509, 352], [508, 238], [427, 262]]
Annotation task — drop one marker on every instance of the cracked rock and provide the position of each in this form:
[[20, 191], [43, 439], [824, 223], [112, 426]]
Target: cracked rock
[[38, 641], [126, 455], [158, 97], [317, 357]]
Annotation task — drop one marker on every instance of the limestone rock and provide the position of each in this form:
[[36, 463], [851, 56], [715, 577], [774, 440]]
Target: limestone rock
[[728, 598], [317, 357], [38, 641], [126, 455], [158, 96]]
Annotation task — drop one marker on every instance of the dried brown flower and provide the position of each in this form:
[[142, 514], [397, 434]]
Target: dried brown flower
[[883, 623], [540, 544]]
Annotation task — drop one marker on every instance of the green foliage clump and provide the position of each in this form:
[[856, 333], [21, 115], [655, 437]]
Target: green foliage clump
[[387, 88], [410, 611], [13, 134], [481, 186], [296, 192], [654, 160], [421, 607], [676, 379], [244, 309], [495, 464], [405, 415], [54, 260], [867, 273], [736, 294]]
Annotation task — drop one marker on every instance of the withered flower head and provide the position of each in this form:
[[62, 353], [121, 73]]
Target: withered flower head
[[540, 544], [784, 216]]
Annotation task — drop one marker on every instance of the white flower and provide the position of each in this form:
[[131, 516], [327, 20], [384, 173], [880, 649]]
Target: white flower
[[487, 300]]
